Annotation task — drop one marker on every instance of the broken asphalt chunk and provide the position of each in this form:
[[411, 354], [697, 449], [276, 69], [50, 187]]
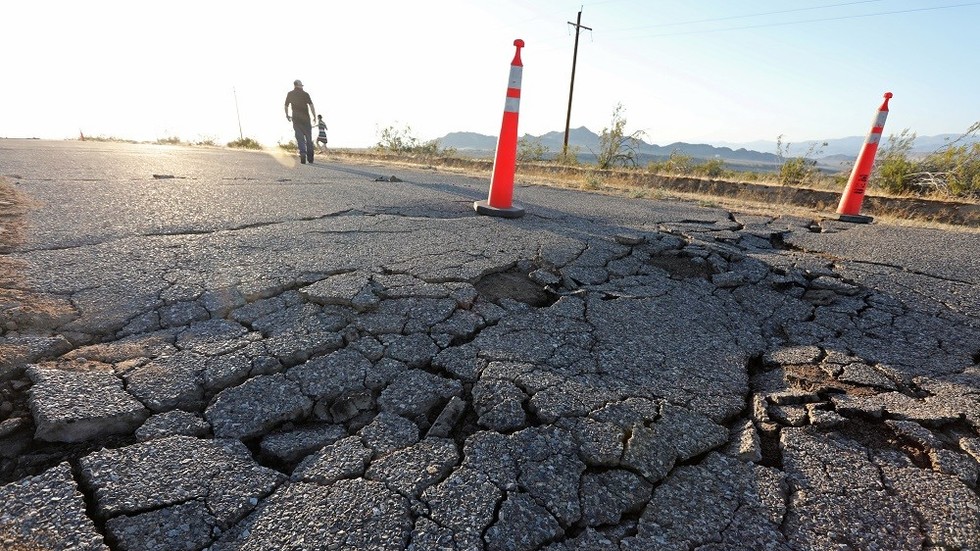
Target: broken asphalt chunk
[[74, 406]]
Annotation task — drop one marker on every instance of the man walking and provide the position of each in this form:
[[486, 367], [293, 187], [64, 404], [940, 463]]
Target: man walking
[[302, 106]]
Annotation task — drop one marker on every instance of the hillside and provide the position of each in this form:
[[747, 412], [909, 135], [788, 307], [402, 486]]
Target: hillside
[[587, 142], [838, 153]]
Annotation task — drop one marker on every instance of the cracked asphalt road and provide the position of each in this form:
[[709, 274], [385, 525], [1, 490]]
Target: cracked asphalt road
[[211, 349]]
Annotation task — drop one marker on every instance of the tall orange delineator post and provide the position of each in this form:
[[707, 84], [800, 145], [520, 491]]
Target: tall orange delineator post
[[850, 202], [505, 161]]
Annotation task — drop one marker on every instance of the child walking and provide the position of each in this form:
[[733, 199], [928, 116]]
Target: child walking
[[321, 138]]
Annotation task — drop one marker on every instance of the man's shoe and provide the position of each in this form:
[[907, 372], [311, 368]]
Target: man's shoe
[[302, 161]]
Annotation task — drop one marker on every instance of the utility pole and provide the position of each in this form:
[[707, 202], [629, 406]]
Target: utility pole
[[241, 136], [571, 88]]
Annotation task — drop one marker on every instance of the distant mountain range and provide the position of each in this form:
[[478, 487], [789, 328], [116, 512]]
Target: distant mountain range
[[759, 154], [851, 145]]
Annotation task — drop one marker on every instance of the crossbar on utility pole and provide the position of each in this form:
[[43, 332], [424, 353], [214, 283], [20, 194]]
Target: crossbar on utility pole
[[571, 87]]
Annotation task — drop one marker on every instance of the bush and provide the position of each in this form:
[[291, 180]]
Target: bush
[[676, 163], [101, 138], [893, 168], [712, 168], [401, 141], [795, 171], [530, 150], [397, 140], [172, 140], [679, 163], [245, 143], [428, 149], [799, 170], [593, 181], [615, 146], [289, 146], [568, 157], [952, 170]]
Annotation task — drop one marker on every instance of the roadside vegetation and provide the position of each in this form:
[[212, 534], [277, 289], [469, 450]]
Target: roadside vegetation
[[402, 141], [570, 157], [679, 164], [101, 138], [798, 170], [206, 140], [531, 150], [951, 172], [245, 143], [616, 147], [168, 140]]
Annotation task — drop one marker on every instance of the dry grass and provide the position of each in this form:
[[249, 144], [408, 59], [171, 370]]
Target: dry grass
[[751, 205], [764, 198], [906, 221]]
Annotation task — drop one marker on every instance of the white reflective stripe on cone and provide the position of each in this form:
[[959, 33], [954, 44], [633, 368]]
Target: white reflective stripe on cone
[[515, 76]]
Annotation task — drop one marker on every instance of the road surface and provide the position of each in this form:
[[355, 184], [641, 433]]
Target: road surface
[[214, 349]]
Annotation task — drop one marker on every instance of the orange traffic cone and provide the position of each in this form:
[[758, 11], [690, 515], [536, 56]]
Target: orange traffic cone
[[850, 202], [502, 181]]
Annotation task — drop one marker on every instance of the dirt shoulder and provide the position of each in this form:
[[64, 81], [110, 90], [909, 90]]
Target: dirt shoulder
[[752, 196]]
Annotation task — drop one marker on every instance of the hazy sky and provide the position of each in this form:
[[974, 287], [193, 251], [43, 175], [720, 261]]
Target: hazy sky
[[685, 70]]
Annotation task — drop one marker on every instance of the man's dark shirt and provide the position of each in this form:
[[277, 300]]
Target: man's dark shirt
[[300, 101]]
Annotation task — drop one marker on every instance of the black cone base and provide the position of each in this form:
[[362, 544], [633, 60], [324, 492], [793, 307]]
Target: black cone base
[[484, 208], [855, 218]]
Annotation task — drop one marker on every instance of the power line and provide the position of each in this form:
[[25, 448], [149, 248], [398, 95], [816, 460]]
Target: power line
[[785, 23], [729, 18]]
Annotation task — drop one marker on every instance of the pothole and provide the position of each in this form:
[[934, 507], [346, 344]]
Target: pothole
[[514, 285], [682, 267], [778, 241]]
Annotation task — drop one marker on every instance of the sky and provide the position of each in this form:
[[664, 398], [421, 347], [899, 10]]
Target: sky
[[702, 71]]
